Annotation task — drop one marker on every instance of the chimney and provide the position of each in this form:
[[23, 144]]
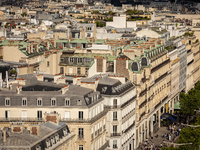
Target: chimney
[[52, 117], [61, 80], [19, 89], [76, 79], [65, 89], [7, 79], [40, 77], [34, 130]]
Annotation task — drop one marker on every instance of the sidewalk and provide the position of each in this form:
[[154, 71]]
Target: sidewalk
[[158, 138]]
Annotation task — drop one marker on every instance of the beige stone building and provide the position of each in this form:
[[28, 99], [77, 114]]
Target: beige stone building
[[80, 107]]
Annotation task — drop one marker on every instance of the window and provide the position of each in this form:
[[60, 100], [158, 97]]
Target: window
[[24, 102], [114, 116], [114, 103], [80, 60], [39, 115], [53, 102], [80, 115], [78, 71], [47, 63], [39, 102], [61, 59], [88, 34], [114, 129], [61, 70], [80, 147], [7, 114], [67, 102], [71, 59], [80, 133], [86, 71], [73, 45], [67, 115], [114, 143], [87, 60], [7, 101]]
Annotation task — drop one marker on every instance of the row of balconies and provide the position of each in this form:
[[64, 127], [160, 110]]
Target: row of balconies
[[98, 132], [128, 113]]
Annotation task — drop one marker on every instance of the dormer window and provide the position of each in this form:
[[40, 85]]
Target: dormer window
[[48, 144], [71, 59], [38, 147], [65, 132], [79, 102], [67, 102], [7, 102], [24, 102], [39, 102], [53, 102]]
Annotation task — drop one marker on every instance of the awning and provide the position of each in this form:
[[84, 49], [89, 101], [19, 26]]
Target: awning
[[177, 105], [168, 116]]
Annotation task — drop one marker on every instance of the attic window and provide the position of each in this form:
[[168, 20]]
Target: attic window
[[24, 102], [67, 102], [79, 102], [7, 102], [39, 102], [53, 102]]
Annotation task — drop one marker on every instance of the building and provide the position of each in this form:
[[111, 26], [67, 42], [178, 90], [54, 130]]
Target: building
[[29, 135], [120, 99], [33, 96]]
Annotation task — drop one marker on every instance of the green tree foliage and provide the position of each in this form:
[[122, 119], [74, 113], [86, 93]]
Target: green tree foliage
[[134, 12], [190, 102], [100, 24], [169, 148], [190, 135], [24, 14], [13, 71], [95, 12], [197, 87]]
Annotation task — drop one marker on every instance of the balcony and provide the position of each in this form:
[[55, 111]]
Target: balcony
[[92, 120], [100, 130], [114, 146], [115, 134], [142, 115], [143, 104], [104, 146], [160, 65], [92, 136], [132, 125], [21, 119], [80, 136]]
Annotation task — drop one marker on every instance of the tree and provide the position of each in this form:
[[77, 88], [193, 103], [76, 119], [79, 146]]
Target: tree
[[23, 14], [197, 87], [190, 135], [13, 71], [190, 102]]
